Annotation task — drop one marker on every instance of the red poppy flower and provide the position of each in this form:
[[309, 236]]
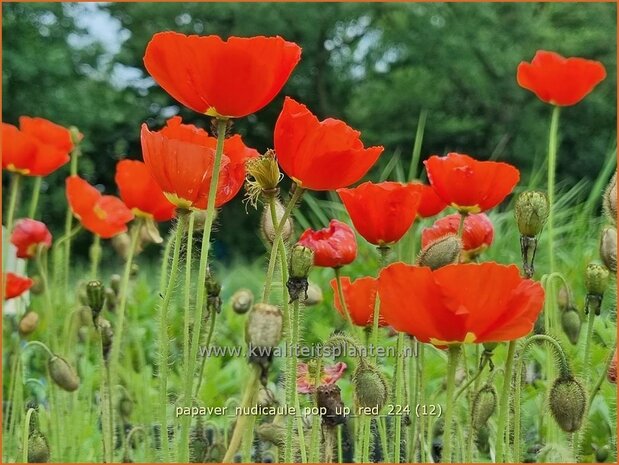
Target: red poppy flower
[[558, 80], [471, 185], [477, 233], [140, 192], [381, 213], [104, 215], [431, 204], [468, 302], [333, 246], [38, 148], [320, 155], [307, 382], [360, 296], [228, 78], [15, 285], [181, 157], [28, 235]]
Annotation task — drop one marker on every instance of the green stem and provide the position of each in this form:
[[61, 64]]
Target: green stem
[[552, 162], [587, 355], [68, 225], [95, 256], [201, 288], [602, 377], [504, 403], [291, 384], [34, 200], [26, 435], [13, 195], [187, 303], [106, 411], [399, 396], [413, 374], [340, 294], [452, 363], [50, 312], [470, 381], [422, 397], [421, 124]]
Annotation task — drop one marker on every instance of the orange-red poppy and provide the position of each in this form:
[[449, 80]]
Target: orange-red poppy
[[431, 204], [28, 235], [104, 215], [15, 285], [383, 212], [360, 297], [558, 80], [38, 148], [333, 246], [477, 233], [307, 377], [140, 192], [227, 78], [320, 155], [469, 302], [471, 185], [181, 157]]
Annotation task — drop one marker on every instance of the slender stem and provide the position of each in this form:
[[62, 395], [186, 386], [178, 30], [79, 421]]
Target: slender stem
[[291, 383], [587, 355], [552, 162], [421, 388], [68, 225], [602, 377], [413, 374], [340, 455], [201, 288], [106, 411], [47, 293], [38, 344], [421, 124], [470, 381], [187, 303], [452, 363], [504, 403], [382, 431], [34, 200], [26, 435], [164, 341], [399, 396], [340, 294], [95, 256], [13, 195]]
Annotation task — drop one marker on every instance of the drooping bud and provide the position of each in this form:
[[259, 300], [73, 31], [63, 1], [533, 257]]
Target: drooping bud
[[370, 386], [608, 248], [568, 401], [531, 211], [107, 336], [95, 292], [484, 404], [596, 282], [264, 332], [564, 298], [329, 398], [266, 223], [486, 356], [301, 261], [38, 448], [115, 281], [63, 374], [263, 176], [28, 322], [242, 301], [213, 295], [441, 252], [610, 200], [313, 295], [570, 323]]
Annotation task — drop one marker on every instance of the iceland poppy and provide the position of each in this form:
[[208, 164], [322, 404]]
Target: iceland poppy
[[104, 215], [15, 285], [558, 80], [28, 235], [224, 78], [140, 192], [320, 155], [477, 233], [471, 185], [360, 297], [459, 303], [307, 379], [383, 212], [333, 246], [431, 204], [181, 158]]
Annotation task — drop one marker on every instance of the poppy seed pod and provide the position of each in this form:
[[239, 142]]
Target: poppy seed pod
[[242, 301], [484, 405], [568, 401], [610, 200], [266, 223], [371, 389], [63, 374], [443, 251], [38, 448], [95, 295], [531, 211], [570, 323], [264, 325], [596, 279], [608, 248], [329, 398], [28, 322]]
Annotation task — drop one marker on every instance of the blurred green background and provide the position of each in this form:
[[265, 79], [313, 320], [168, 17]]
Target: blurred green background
[[375, 65]]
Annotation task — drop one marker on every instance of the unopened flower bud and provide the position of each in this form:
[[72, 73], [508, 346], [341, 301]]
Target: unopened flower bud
[[38, 448], [596, 279], [313, 295], [371, 389], [329, 397], [242, 301], [608, 248], [266, 223], [564, 298], [115, 281], [531, 211], [271, 432], [76, 135], [37, 285], [28, 322], [570, 323], [125, 406], [63, 374], [301, 261], [484, 404], [135, 269], [568, 401], [610, 200], [213, 297], [443, 251], [95, 292], [107, 336], [110, 299]]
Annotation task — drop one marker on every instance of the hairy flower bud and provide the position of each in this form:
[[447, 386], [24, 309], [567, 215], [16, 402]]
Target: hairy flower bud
[[531, 211], [610, 200], [301, 261], [38, 448], [484, 404], [568, 401], [242, 301], [266, 223], [371, 389], [596, 279], [570, 323], [28, 322], [95, 292], [329, 397], [313, 295], [115, 281], [63, 374], [608, 248], [107, 336], [441, 252], [111, 299]]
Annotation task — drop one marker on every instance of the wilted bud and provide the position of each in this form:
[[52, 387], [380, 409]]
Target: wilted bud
[[608, 248], [38, 448], [484, 405], [63, 374], [610, 200], [329, 398], [313, 295], [301, 261], [115, 281], [263, 331], [149, 234], [568, 401], [371, 389], [443, 251], [266, 223], [596, 279], [28, 322], [570, 323], [531, 211], [95, 292], [242, 301]]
